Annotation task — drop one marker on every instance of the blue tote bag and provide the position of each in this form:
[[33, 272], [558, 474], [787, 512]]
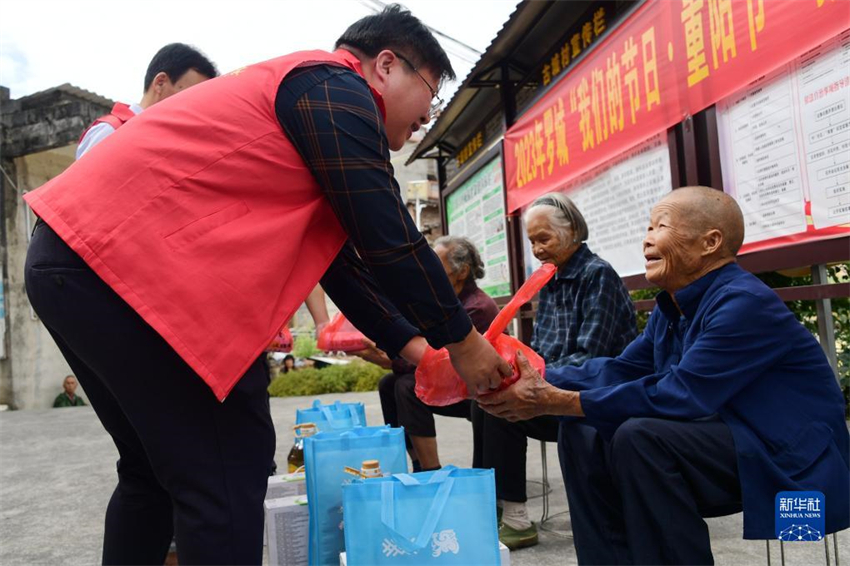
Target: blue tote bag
[[325, 457], [443, 517], [335, 417]]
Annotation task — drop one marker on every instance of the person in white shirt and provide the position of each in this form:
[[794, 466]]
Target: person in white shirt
[[175, 67]]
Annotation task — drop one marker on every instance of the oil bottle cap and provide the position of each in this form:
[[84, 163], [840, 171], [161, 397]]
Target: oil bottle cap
[[305, 429]]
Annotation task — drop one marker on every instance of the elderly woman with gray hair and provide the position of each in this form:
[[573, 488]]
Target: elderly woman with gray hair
[[583, 312], [399, 403]]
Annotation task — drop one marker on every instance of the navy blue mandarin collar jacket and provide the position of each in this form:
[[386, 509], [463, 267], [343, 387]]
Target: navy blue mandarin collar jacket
[[736, 351]]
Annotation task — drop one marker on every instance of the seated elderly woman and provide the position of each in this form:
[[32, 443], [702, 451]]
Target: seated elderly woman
[[724, 401], [583, 312], [399, 403]]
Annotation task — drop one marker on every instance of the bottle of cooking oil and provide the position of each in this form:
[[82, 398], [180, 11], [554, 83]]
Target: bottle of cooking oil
[[370, 469], [295, 460]]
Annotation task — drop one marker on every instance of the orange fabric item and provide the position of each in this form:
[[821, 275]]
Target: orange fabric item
[[437, 382], [116, 118], [282, 342], [181, 211], [340, 336]]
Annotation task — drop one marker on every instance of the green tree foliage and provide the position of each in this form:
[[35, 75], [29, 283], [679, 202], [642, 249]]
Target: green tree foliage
[[304, 346], [642, 295]]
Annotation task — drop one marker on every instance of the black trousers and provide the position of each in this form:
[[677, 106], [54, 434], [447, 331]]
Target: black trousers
[[504, 447], [640, 498], [186, 462], [401, 407]]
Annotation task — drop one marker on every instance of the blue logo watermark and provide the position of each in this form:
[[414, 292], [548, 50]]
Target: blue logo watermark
[[800, 516]]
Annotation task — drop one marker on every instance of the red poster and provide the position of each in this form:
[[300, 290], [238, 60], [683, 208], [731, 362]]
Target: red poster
[[669, 59]]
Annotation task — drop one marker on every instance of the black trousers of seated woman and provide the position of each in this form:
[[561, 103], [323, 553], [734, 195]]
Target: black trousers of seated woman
[[401, 407]]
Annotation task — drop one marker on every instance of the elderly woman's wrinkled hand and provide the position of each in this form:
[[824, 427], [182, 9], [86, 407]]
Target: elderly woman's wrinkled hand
[[525, 399]]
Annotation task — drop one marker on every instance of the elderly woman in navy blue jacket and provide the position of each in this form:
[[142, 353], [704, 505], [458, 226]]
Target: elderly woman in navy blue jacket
[[724, 401]]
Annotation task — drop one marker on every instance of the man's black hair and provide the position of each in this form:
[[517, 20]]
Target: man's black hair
[[395, 28], [175, 59]]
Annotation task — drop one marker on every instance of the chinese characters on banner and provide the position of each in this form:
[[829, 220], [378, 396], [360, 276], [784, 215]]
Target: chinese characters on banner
[[785, 147], [476, 210], [667, 60], [638, 179]]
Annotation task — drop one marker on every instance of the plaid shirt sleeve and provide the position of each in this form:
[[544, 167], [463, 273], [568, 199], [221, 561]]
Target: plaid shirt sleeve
[[600, 324], [387, 279], [587, 315]]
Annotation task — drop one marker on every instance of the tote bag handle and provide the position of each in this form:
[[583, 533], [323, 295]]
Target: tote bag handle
[[337, 422], [439, 476], [355, 417], [382, 433], [428, 526], [333, 421], [438, 504]]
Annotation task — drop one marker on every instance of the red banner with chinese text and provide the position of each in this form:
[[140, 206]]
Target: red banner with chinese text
[[668, 60]]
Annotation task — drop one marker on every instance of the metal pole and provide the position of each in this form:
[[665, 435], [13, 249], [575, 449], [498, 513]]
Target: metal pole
[[545, 516], [826, 326]]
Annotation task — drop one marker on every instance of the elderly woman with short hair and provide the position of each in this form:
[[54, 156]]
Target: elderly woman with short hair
[[399, 403], [583, 312]]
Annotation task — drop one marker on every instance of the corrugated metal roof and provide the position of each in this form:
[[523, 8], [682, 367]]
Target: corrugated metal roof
[[465, 93], [528, 36]]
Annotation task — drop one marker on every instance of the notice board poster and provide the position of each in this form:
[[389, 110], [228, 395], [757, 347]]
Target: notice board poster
[[616, 199], [476, 210], [785, 149]]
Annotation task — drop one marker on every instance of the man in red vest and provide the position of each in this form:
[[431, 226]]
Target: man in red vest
[[175, 67], [169, 258]]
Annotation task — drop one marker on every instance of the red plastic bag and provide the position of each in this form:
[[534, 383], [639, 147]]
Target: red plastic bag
[[437, 382], [340, 336], [282, 342]]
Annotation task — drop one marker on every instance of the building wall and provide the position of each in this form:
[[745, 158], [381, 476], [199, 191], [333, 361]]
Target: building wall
[[430, 221], [36, 364], [8, 200], [420, 170]]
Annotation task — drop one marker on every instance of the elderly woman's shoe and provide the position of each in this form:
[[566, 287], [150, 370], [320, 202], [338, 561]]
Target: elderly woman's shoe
[[515, 539]]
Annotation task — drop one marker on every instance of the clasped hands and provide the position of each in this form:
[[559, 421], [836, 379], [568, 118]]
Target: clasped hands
[[482, 369], [530, 396]]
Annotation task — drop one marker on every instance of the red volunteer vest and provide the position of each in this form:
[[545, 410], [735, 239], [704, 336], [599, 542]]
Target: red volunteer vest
[[116, 118], [202, 216]]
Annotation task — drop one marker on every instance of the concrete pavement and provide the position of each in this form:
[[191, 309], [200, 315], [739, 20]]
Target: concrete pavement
[[57, 472]]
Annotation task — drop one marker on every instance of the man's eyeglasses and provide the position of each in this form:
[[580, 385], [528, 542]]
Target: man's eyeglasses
[[436, 101]]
